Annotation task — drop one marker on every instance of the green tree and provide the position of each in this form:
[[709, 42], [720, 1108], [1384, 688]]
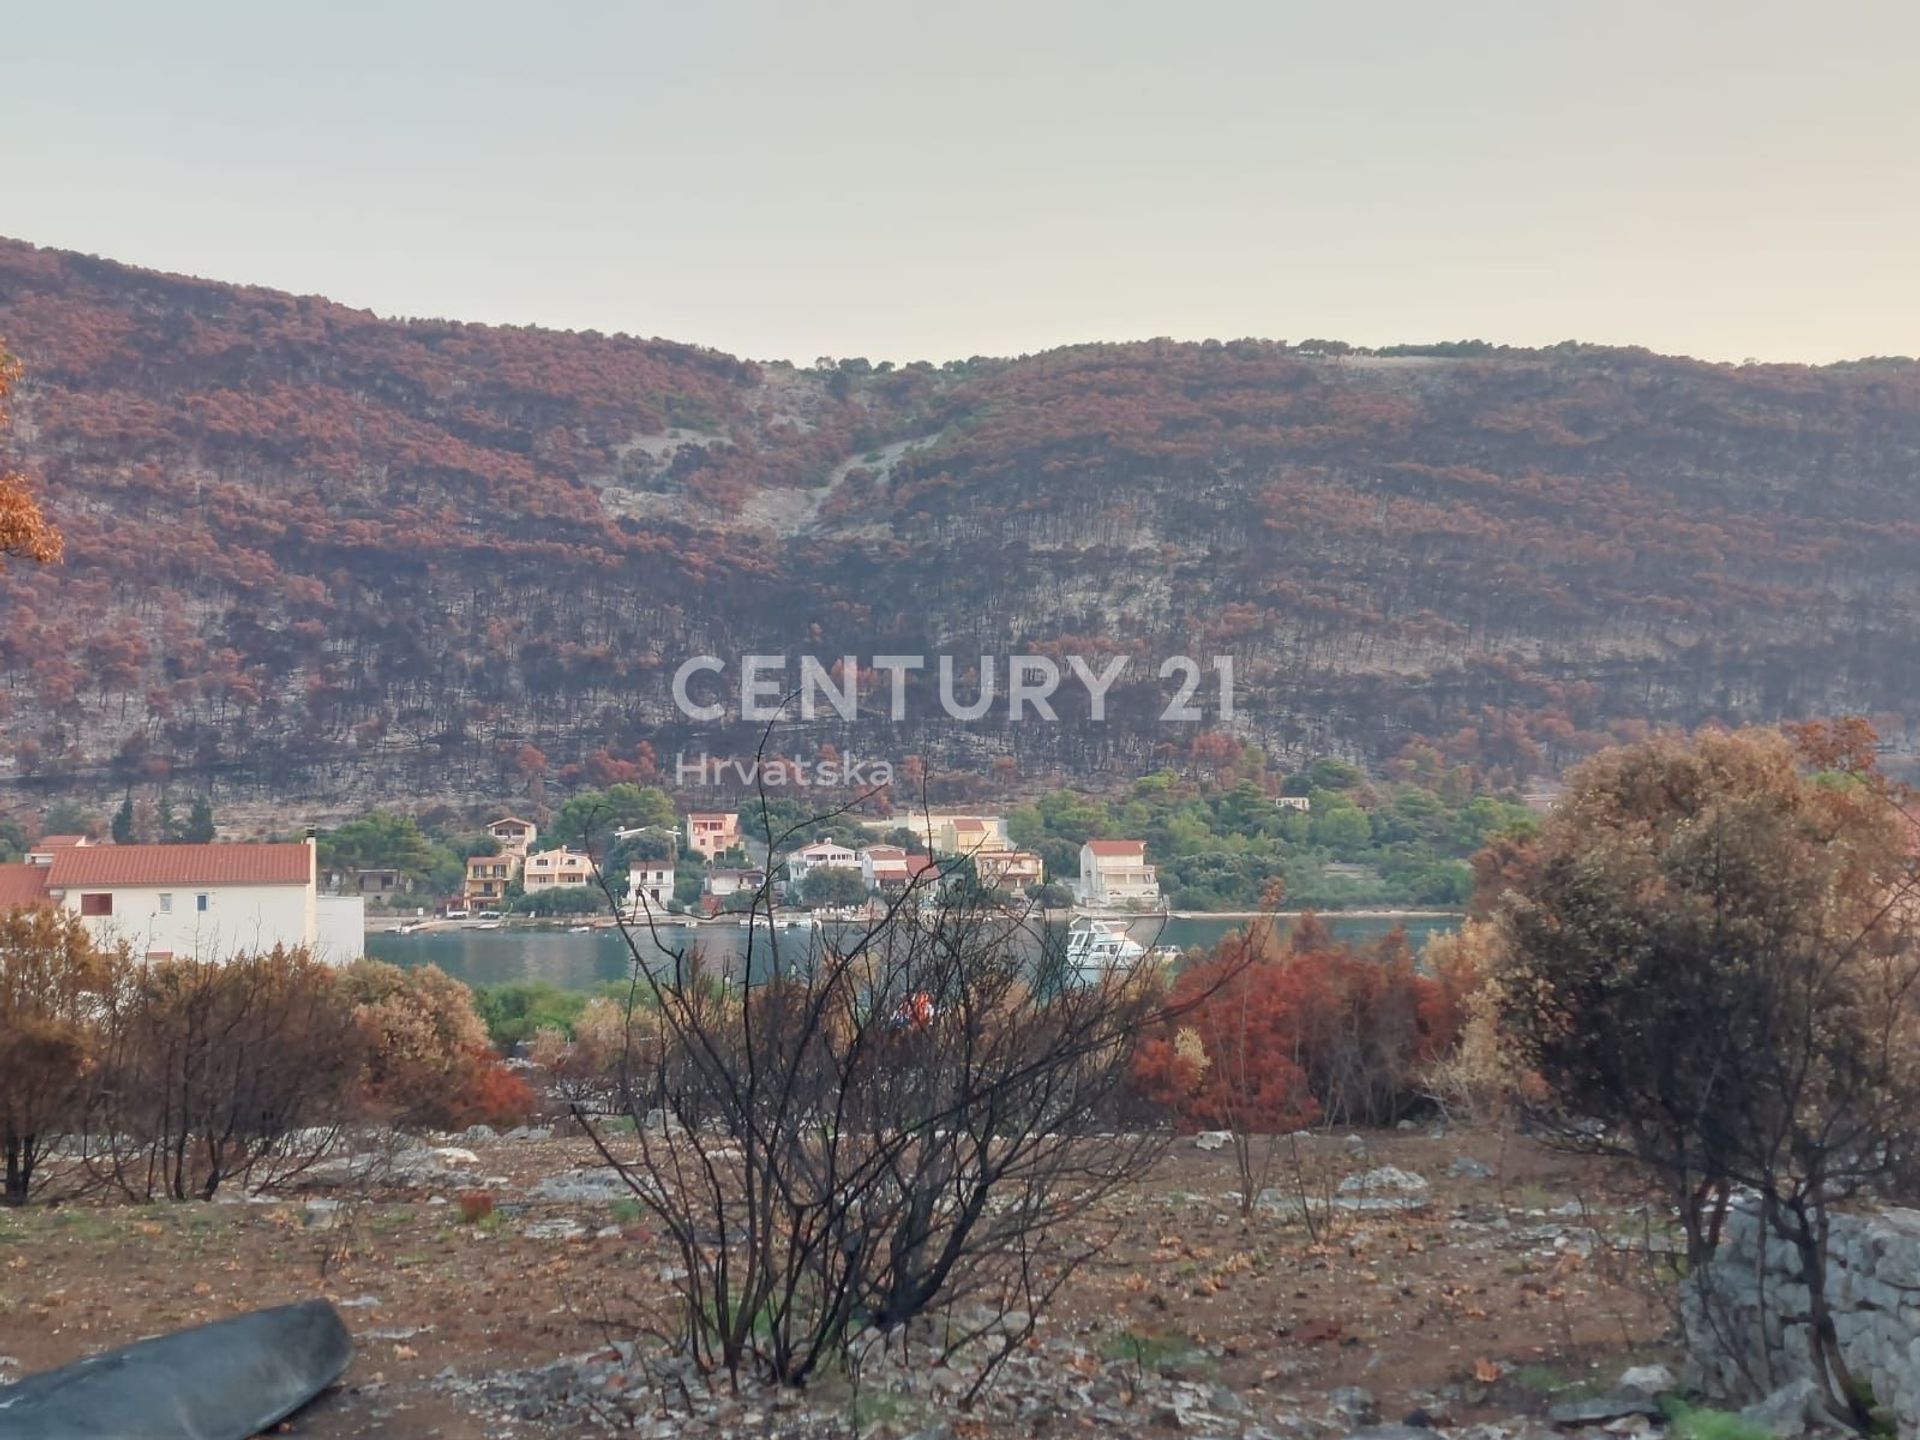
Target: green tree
[[559, 900], [378, 840], [68, 817], [588, 819], [689, 881], [514, 1012], [832, 885], [199, 829], [1339, 826], [123, 821]]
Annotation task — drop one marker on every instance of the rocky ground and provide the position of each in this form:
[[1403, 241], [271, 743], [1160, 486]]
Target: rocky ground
[[1477, 1286]]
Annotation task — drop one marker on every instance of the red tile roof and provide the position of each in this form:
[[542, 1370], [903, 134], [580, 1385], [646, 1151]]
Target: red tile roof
[[54, 842], [22, 885], [1117, 847], [285, 864]]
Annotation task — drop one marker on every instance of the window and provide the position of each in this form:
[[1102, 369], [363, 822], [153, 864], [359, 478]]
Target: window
[[96, 904], [200, 903], [166, 904]]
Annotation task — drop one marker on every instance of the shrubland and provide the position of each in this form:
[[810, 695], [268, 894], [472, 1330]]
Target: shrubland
[[171, 1077]]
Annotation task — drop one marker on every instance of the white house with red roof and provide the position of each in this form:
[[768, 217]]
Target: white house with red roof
[[1116, 872], [820, 855], [207, 902], [884, 867]]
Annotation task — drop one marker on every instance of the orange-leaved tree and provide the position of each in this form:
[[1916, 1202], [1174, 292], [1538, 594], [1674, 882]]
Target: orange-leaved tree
[[1282, 1034], [24, 528], [1228, 1060], [430, 1061]]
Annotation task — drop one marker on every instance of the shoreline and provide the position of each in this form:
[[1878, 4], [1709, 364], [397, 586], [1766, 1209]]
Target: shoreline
[[393, 924]]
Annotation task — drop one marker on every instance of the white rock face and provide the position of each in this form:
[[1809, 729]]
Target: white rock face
[[1385, 1189], [1745, 1353], [1647, 1379]]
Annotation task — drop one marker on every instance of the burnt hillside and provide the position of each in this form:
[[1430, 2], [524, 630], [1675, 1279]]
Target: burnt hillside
[[310, 549]]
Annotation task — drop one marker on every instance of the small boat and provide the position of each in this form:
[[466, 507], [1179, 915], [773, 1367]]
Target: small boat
[[1098, 948], [486, 925], [223, 1381], [578, 929]]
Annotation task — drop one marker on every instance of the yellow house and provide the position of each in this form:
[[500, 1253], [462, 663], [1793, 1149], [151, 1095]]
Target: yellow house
[[545, 869], [487, 879], [965, 834], [1009, 869]]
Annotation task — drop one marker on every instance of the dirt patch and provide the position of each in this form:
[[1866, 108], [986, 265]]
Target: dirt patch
[[1502, 1290]]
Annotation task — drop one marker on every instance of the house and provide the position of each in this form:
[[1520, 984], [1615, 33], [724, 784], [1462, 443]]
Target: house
[[710, 833], [487, 879], [1294, 802], [489, 875], [209, 902], [884, 867], [549, 869], [380, 885], [964, 834], [820, 855], [722, 883], [1004, 869], [925, 871], [649, 885], [1116, 872], [516, 836]]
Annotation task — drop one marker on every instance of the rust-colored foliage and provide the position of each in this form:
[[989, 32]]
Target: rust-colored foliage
[[24, 528], [491, 1095], [429, 1060], [1273, 1037]]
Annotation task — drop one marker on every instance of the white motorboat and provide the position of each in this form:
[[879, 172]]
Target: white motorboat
[[1098, 948]]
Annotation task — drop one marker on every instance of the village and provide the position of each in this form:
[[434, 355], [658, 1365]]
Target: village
[[1239, 845], [212, 900], [817, 875]]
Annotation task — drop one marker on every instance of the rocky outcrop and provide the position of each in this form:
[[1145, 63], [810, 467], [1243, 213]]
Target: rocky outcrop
[[1741, 1311]]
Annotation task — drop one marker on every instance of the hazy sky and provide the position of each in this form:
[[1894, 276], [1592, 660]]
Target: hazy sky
[[1726, 178]]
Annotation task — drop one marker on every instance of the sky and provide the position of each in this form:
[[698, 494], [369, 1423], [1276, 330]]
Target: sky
[[1730, 179]]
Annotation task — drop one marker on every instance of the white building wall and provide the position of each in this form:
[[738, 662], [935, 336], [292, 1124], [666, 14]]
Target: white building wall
[[237, 919], [653, 881], [341, 937]]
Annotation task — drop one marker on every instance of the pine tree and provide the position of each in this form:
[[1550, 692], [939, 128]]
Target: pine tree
[[123, 822], [200, 826]]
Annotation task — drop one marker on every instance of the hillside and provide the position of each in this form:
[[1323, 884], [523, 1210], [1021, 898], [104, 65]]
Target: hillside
[[313, 552]]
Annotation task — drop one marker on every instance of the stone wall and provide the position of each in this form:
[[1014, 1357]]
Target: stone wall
[[1743, 1351]]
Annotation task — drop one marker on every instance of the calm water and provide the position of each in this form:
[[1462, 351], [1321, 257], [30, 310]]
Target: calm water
[[582, 962]]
